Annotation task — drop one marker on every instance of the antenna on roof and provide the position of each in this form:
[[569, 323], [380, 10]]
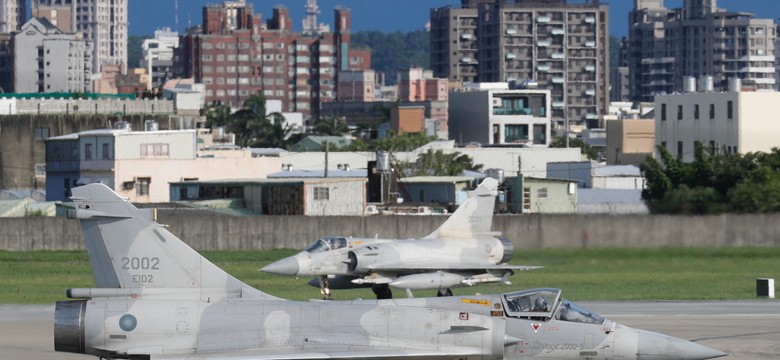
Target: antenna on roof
[[176, 14]]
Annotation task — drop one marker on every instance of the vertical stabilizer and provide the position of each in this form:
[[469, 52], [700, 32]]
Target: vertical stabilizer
[[129, 249], [474, 217]]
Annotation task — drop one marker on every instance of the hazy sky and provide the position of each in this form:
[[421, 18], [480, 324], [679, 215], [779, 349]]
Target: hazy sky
[[383, 15]]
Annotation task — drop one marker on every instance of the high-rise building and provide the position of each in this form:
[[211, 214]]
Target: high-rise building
[[158, 56], [697, 40], [102, 22], [13, 14], [559, 46], [236, 56], [49, 60]]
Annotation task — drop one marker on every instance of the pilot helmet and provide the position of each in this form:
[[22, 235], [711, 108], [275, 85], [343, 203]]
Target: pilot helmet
[[540, 303]]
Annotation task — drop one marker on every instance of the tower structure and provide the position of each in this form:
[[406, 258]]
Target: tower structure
[[12, 15]]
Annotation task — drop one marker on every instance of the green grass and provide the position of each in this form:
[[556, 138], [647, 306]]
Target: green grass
[[41, 277]]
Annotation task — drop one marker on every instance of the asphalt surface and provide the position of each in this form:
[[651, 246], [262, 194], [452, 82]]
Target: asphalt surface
[[743, 329]]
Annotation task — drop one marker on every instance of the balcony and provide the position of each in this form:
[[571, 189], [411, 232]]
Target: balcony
[[543, 43], [511, 31], [543, 67], [558, 31], [590, 92], [590, 44], [558, 56], [543, 19], [467, 36], [591, 116], [510, 56], [590, 67], [590, 19], [558, 80], [558, 104]]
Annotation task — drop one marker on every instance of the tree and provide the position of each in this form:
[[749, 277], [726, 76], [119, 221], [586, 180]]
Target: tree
[[712, 184], [332, 126], [217, 115], [250, 124], [437, 163], [585, 149], [402, 142]]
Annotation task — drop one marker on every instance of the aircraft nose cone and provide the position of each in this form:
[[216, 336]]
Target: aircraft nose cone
[[654, 346], [286, 266]]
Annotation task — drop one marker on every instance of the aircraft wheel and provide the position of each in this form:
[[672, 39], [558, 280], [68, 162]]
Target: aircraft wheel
[[382, 291]]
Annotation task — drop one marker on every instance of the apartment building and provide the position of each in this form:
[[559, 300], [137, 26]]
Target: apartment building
[[49, 60], [496, 115], [699, 39], [13, 14], [103, 24], [562, 47], [235, 56], [158, 56]]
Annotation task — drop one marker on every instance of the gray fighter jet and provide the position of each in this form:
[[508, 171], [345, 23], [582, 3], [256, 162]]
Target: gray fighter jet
[[157, 298], [462, 252]]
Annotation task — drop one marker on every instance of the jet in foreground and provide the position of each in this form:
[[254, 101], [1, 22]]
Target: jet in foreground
[[157, 298], [462, 252]]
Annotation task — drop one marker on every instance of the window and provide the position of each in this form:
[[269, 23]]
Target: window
[[41, 133], [712, 111], [679, 112], [87, 151], [696, 111], [106, 154], [541, 193], [663, 112], [321, 193], [679, 149], [730, 110], [142, 185], [154, 150]]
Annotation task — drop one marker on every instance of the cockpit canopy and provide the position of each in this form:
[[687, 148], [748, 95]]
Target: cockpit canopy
[[546, 303], [327, 243]]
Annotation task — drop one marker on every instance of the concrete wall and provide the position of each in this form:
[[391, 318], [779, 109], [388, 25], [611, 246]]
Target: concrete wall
[[526, 231]]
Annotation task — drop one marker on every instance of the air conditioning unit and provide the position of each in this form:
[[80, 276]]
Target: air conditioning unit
[[497, 102]]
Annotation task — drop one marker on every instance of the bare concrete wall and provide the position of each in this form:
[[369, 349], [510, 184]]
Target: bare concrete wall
[[526, 231]]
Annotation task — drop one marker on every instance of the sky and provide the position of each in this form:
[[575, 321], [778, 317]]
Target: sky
[[383, 15]]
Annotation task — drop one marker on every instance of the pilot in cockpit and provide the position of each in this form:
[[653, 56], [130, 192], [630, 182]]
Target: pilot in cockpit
[[540, 304]]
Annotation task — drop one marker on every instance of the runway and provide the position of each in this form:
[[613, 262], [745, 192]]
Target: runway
[[743, 329]]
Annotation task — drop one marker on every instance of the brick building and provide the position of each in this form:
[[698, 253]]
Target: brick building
[[235, 56]]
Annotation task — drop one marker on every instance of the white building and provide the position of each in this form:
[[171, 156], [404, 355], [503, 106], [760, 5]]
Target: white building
[[49, 60], [498, 116], [158, 56], [140, 164], [731, 122]]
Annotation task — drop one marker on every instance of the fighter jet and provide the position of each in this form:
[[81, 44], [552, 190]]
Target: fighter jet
[[157, 298], [462, 252]]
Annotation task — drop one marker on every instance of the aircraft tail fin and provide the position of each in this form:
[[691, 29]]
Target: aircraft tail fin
[[474, 216], [128, 249]]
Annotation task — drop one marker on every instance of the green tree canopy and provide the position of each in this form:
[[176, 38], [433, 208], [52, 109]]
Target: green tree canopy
[[437, 163], [250, 124], [712, 184], [585, 149]]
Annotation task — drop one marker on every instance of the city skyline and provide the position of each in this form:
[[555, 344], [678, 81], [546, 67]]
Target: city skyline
[[398, 15]]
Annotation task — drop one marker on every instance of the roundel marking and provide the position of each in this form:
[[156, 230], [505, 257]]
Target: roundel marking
[[128, 322]]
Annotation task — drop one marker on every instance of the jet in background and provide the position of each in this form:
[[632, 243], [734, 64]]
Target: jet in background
[[157, 298], [462, 252]]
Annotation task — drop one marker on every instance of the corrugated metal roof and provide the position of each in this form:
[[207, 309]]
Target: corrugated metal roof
[[266, 181], [332, 173], [436, 179]]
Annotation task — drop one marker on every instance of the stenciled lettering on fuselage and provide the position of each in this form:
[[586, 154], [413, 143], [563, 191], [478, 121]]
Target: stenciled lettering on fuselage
[[146, 266]]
